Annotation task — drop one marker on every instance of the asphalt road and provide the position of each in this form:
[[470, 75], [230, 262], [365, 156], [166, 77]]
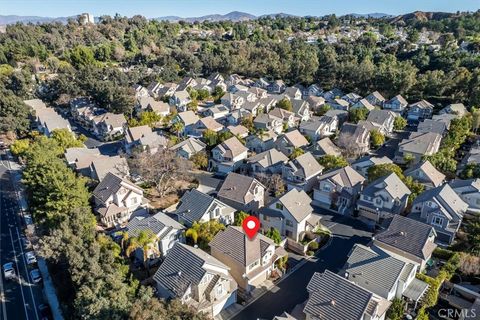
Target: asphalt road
[[293, 290], [19, 297]]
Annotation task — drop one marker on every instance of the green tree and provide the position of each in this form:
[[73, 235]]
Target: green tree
[[357, 114], [210, 137], [400, 123], [473, 235], [274, 235], [296, 153], [239, 217], [408, 158], [376, 138], [332, 162], [396, 310], [20, 147], [471, 171], [285, 104], [381, 170], [200, 160], [177, 127], [81, 56], [14, 113], [145, 240], [323, 109], [66, 139], [202, 233]]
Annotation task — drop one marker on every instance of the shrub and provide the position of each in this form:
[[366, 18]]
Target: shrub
[[310, 253], [313, 246], [441, 253]]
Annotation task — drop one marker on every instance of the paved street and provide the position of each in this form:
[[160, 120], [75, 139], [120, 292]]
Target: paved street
[[20, 297], [292, 290]]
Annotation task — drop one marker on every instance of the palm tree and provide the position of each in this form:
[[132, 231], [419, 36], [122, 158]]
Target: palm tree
[[177, 127], [143, 241]]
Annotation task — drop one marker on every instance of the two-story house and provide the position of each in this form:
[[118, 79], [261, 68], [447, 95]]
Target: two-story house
[[242, 192], [469, 191], [188, 147], [301, 108], [196, 278], [115, 200], [332, 297], [397, 104], [364, 163], [267, 162], [291, 215], [376, 99], [383, 198], [196, 206], [165, 230], [277, 86], [206, 123], [363, 103], [228, 156], [287, 117], [267, 122], [290, 141], [420, 110], [338, 189], [441, 208], [319, 128], [251, 261], [109, 125], [302, 172], [375, 270], [142, 138], [232, 101], [408, 240], [425, 173], [180, 99], [354, 138], [261, 141], [382, 120], [188, 119], [323, 147], [418, 145]]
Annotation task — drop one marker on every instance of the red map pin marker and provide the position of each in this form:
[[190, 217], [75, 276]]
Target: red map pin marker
[[251, 225]]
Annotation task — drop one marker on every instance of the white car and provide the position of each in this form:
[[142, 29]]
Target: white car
[[9, 270], [30, 257], [35, 276]]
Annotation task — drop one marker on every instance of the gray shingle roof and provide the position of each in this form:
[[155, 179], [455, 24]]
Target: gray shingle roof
[[429, 173], [345, 177], [305, 166], [159, 224], [184, 266], [193, 205], [391, 183], [234, 243], [109, 186], [408, 235], [268, 158], [448, 199], [332, 297]]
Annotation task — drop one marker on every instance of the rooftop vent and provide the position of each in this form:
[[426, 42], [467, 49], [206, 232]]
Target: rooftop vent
[[332, 302]]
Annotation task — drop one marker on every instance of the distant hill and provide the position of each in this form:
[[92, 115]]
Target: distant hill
[[422, 16], [12, 19], [232, 16], [376, 15]]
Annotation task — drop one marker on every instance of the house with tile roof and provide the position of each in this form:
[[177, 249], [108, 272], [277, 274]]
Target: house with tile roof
[[302, 172], [142, 138], [116, 199], [291, 215], [267, 162], [363, 103], [381, 120], [109, 125], [441, 208], [301, 108], [197, 279], [147, 103], [332, 297], [458, 109], [204, 124], [354, 138], [251, 261], [469, 191], [242, 192], [165, 230], [180, 99], [338, 189], [382, 198], [352, 98], [267, 122], [287, 117], [261, 141], [238, 130], [375, 270], [418, 144], [228, 156], [188, 120], [196, 206], [408, 240], [48, 120], [425, 173]]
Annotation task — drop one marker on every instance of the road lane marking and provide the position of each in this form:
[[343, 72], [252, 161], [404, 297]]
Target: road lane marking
[[19, 279], [26, 270]]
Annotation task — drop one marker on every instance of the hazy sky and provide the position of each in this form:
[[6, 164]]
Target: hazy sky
[[194, 8]]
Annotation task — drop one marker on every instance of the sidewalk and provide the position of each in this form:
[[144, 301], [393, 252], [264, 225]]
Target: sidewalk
[[48, 288]]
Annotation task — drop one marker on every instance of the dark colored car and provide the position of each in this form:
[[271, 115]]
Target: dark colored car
[[44, 312]]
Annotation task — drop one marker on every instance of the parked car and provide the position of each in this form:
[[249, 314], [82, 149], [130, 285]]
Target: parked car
[[30, 257], [35, 276], [45, 312], [9, 270], [28, 219]]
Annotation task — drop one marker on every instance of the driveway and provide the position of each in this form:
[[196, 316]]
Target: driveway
[[293, 289]]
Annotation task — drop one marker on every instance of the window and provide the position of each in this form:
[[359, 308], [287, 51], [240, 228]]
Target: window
[[327, 188], [134, 200], [289, 223], [378, 202], [216, 212], [438, 221], [219, 290], [279, 206]]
